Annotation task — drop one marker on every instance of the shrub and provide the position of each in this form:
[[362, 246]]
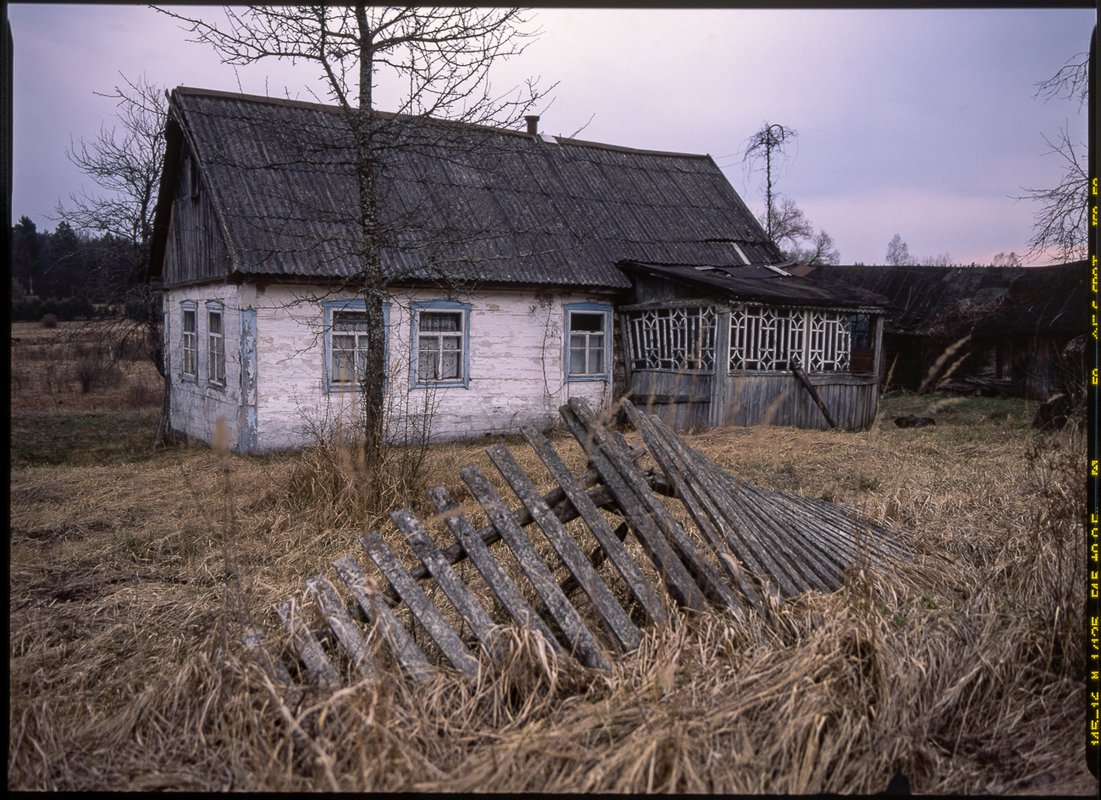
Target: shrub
[[27, 310], [49, 321], [93, 372], [137, 310]]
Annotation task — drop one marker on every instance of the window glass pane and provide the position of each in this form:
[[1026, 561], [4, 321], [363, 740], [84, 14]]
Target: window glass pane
[[439, 321], [342, 367], [343, 354], [580, 321], [596, 355], [428, 344], [189, 321], [577, 360], [215, 322], [450, 366], [426, 365]]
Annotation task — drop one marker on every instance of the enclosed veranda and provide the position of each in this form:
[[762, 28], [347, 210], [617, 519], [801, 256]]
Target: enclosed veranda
[[750, 346]]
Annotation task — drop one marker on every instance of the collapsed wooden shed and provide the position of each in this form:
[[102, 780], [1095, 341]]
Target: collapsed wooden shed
[[706, 346]]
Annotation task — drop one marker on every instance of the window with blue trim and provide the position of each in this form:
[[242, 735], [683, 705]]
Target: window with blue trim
[[346, 341], [588, 341], [216, 345], [441, 343], [189, 340]]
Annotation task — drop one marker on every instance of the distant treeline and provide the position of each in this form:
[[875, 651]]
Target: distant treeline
[[72, 275]]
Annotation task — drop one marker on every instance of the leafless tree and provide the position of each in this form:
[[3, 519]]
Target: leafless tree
[[769, 142], [1061, 225], [441, 56], [1004, 259], [898, 252], [794, 234], [820, 250], [124, 162]]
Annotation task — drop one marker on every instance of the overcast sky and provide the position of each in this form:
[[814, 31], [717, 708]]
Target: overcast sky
[[917, 122]]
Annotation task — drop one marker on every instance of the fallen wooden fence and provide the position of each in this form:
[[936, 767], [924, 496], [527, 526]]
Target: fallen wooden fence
[[746, 549]]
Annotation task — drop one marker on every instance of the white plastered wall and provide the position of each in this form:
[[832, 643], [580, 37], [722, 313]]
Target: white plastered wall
[[200, 408], [280, 400]]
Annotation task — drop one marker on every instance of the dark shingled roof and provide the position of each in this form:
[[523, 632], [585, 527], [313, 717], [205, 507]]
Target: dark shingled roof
[[468, 203], [993, 301], [763, 284]]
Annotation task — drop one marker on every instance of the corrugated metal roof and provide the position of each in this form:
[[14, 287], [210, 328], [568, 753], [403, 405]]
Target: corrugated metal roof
[[762, 284], [465, 203]]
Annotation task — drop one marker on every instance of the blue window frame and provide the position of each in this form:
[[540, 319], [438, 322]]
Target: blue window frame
[[346, 343], [215, 344], [588, 342], [189, 340], [440, 343]]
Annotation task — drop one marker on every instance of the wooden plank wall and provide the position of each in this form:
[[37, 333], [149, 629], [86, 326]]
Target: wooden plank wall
[[195, 251], [780, 400], [682, 401]]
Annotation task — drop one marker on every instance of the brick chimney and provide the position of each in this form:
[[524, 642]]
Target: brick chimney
[[533, 124]]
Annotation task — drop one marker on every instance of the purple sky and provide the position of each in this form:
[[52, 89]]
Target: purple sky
[[917, 122]]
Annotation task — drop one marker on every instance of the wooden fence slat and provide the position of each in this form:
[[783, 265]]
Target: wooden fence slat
[[256, 645], [490, 569], [401, 644], [322, 674], [580, 638], [651, 513], [753, 539], [457, 592], [556, 499], [611, 613], [678, 581], [421, 607], [706, 577], [693, 492], [610, 543], [343, 626]]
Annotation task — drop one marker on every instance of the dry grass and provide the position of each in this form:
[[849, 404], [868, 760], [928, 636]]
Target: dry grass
[[131, 576]]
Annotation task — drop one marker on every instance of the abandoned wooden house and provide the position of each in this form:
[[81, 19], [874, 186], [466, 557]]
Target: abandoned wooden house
[[522, 270], [1008, 330]]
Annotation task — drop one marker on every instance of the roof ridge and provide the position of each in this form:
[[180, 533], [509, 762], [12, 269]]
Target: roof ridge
[[335, 109]]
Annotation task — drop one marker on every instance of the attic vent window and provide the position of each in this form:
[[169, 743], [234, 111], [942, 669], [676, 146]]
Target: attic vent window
[[193, 178]]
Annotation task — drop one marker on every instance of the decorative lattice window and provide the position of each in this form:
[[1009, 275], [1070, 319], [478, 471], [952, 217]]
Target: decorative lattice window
[[766, 338], [828, 342], [675, 339], [776, 339]]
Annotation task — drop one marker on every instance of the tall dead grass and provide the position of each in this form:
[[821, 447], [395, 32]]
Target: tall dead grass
[[962, 669]]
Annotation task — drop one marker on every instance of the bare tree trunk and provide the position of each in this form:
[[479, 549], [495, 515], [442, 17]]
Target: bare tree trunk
[[372, 281]]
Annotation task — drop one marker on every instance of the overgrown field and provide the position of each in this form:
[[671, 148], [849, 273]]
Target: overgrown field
[[133, 570]]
